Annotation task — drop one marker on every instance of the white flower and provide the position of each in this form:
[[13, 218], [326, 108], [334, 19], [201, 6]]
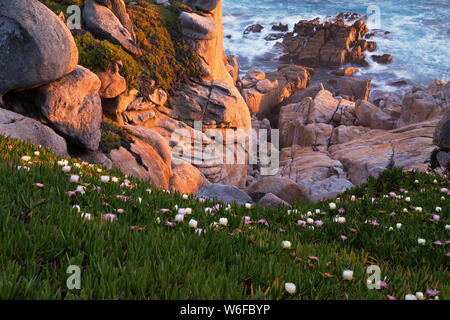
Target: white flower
[[444, 190], [390, 229], [317, 211], [421, 241], [353, 198], [416, 181], [340, 220], [442, 198], [139, 199], [410, 297], [188, 211], [26, 158], [99, 170], [87, 216], [175, 207], [398, 225], [158, 220], [81, 189], [435, 181], [248, 205], [185, 197], [115, 179], [149, 191], [438, 209], [286, 244], [405, 210], [436, 217], [74, 178], [309, 221], [309, 213], [77, 165], [447, 227], [290, 288], [408, 199], [208, 210], [179, 218], [420, 296], [66, 168], [37, 153], [223, 221], [332, 205], [104, 179], [214, 224], [193, 223], [347, 275], [77, 207], [419, 209]]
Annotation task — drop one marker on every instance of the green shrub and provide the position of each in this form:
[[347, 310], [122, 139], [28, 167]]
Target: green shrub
[[110, 141]]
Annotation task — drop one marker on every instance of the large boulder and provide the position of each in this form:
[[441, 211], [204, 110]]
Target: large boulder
[[187, 178], [73, 107], [378, 150], [421, 105], [372, 117], [17, 126], [263, 92], [205, 38], [119, 9], [142, 160], [271, 200], [322, 176], [198, 27], [36, 47], [441, 135], [113, 84], [227, 194], [350, 88], [104, 24], [284, 188]]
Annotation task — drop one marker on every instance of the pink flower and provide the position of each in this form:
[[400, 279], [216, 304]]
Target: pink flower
[[402, 190], [343, 237], [438, 243], [216, 207], [109, 217], [301, 223], [201, 200], [392, 214], [71, 193], [318, 223], [382, 284], [39, 185], [170, 224], [341, 210], [392, 194], [120, 211], [281, 230], [433, 292], [164, 210], [246, 220], [390, 297], [263, 221], [375, 223]]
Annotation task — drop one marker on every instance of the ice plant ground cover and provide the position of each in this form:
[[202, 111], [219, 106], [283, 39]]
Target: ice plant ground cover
[[123, 235]]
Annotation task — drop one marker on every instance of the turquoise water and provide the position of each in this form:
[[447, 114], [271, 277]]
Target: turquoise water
[[419, 38]]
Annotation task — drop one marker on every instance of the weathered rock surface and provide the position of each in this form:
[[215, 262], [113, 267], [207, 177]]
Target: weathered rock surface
[[213, 60], [408, 147], [119, 9], [103, 23], [187, 178], [34, 51], [441, 136], [113, 84], [320, 175], [283, 188], [332, 43], [18, 126], [263, 92], [227, 194], [425, 104], [372, 117], [198, 27], [350, 88], [72, 105], [271, 200], [141, 160]]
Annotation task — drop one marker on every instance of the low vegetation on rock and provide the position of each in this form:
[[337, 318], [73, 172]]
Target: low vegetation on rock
[[132, 241]]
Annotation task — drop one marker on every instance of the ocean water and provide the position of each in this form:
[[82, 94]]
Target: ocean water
[[419, 38]]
